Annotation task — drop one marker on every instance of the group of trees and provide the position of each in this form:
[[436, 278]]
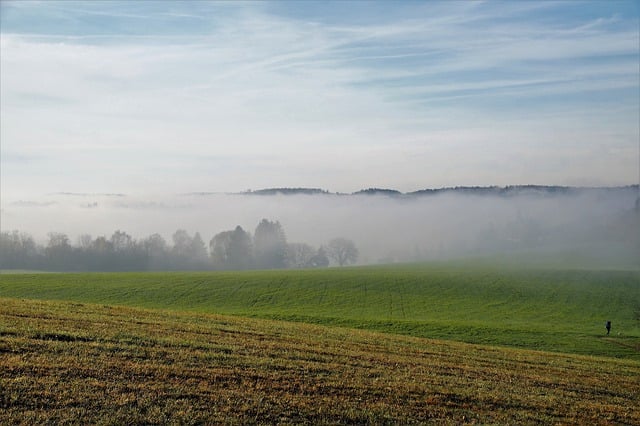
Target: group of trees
[[120, 252], [235, 249], [268, 249]]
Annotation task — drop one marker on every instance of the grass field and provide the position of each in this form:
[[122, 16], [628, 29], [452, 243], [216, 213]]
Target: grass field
[[67, 362], [545, 309]]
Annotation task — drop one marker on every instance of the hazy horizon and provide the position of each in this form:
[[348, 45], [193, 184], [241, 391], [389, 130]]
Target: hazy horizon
[[602, 224], [154, 99]]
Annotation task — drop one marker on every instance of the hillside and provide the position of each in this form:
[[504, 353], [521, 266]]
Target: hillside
[[555, 310], [66, 362]]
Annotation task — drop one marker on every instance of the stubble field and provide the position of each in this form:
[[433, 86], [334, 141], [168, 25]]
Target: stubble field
[[64, 362]]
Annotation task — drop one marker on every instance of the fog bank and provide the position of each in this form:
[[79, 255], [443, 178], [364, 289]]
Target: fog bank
[[599, 224]]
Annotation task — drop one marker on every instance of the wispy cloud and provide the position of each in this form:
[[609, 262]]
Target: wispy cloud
[[297, 99]]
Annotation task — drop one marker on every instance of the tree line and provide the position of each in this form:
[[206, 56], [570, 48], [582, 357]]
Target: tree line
[[234, 249], [506, 191]]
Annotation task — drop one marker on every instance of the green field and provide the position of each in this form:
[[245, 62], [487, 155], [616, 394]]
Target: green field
[[544, 309]]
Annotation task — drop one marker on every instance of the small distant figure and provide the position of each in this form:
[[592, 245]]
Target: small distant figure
[[608, 326]]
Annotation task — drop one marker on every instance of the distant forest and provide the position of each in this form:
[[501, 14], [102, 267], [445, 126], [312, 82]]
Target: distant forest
[[236, 249], [503, 191]]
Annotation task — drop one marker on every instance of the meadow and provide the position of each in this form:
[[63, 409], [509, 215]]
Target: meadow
[[534, 308]]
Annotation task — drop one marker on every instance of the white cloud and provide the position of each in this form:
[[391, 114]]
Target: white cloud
[[460, 93]]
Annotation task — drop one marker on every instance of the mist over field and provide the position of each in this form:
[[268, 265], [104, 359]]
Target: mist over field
[[595, 225], [114, 113]]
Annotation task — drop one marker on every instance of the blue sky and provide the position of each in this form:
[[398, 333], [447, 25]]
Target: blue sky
[[172, 97]]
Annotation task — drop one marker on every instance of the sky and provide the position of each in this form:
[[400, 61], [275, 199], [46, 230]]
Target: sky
[[178, 97]]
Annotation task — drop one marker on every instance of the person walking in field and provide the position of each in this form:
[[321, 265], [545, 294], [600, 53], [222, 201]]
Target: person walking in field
[[608, 326]]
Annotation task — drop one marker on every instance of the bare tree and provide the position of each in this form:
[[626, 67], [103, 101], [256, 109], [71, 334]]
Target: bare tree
[[299, 255], [343, 251], [319, 260]]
